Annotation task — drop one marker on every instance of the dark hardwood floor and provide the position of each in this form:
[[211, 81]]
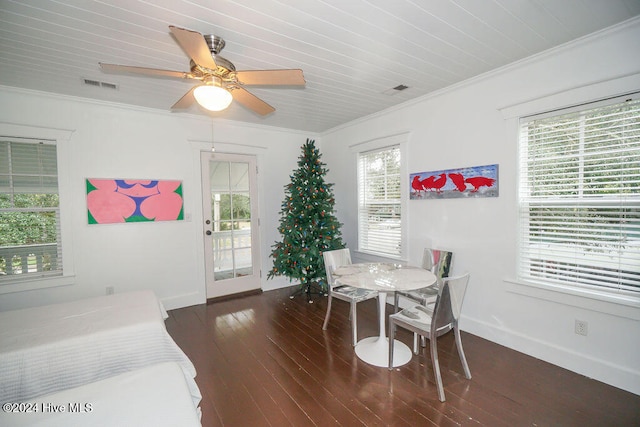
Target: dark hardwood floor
[[264, 360]]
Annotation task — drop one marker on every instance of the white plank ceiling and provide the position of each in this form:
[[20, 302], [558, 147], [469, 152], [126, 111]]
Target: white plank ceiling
[[352, 52]]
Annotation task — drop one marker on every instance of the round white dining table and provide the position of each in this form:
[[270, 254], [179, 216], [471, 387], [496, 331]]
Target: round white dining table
[[384, 278]]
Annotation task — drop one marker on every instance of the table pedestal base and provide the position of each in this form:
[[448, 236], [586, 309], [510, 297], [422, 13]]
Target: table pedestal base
[[375, 351]]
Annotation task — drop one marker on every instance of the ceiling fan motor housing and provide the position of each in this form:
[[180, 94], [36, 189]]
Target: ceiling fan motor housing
[[216, 44]]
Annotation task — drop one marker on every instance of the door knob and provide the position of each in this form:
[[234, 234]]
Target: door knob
[[208, 232]]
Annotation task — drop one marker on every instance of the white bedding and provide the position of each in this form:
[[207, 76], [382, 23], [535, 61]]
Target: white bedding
[[56, 347], [153, 396]]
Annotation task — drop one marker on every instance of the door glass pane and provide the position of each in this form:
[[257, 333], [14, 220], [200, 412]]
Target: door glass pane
[[231, 214], [219, 175], [242, 239], [239, 175], [243, 258], [241, 207]]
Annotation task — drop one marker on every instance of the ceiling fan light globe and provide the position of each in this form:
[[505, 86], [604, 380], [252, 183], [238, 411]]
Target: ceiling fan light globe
[[213, 98]]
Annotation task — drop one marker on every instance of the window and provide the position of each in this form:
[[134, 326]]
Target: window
[[579, 200], [379, 202], [30, 244]]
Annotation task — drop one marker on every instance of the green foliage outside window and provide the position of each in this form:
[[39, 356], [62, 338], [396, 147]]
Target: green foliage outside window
[[241, 205], [31, 221], [28, 227]]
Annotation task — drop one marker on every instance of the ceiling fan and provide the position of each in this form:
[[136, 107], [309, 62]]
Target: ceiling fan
[[220, 82]]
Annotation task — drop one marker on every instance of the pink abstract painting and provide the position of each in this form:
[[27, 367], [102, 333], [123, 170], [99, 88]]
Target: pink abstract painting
[[133, 200]]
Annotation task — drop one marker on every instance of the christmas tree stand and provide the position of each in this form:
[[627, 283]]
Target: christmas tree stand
[[308, 289]]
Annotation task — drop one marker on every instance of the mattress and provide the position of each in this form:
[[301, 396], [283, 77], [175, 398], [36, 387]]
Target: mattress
[[51, 348], [154, 396]]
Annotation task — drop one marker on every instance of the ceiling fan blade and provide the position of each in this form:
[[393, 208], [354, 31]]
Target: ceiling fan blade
[[186, 101], [271, 77], [251, 101], [196, 47], [153, 72]]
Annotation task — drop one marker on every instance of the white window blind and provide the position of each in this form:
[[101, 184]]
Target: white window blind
[[30, 243], [379, 202], [579, 198]]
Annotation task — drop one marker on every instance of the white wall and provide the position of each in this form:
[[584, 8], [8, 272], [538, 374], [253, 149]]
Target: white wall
[[114, 141], [468, 125]]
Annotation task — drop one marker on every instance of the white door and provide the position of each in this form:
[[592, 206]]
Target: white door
[[230, 214]]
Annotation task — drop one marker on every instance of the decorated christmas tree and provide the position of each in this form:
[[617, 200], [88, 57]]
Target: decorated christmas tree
[[307, 224]]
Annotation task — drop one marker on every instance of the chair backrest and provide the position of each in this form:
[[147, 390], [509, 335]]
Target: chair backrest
[[449, 302], [333, 260], [437, 261]]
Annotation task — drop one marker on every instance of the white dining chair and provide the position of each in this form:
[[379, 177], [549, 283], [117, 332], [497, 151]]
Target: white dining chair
[[333, 260], [433, 319]]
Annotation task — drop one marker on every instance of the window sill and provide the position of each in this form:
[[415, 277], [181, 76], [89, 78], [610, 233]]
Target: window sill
[[621, 305], [35, 283], [374, 257]]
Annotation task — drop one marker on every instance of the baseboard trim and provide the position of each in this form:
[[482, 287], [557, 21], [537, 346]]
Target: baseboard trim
[[180, 301], [597, 369]]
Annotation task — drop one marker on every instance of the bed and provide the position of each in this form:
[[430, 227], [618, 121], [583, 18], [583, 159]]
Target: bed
[[47, 349], [154, 396]]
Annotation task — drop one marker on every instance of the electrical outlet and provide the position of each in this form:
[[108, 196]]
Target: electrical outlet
[[581, 327], [110, 291]]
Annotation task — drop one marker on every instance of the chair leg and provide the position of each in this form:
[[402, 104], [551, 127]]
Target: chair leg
[[326, 316], [436, 368], [392, 337], [354, 324], [423, 340], [463, 359], [416, 349], [396, 301]]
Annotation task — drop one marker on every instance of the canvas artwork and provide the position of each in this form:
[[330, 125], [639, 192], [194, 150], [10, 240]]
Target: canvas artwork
[[474, 181], [133, 200]]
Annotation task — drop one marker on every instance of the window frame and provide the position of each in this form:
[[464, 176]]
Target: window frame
[[522, 201], [59, 137], [401, 142]]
